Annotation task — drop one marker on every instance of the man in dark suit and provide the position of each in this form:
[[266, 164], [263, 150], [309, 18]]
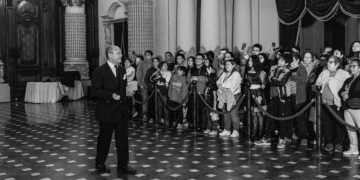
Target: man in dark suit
[[108, 86]]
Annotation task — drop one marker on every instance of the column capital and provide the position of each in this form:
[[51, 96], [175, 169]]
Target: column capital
[[72, 3]]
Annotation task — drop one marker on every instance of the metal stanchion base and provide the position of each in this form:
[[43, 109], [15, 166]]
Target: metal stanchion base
[[319, 154]]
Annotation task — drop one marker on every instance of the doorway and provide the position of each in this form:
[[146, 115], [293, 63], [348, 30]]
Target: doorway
[[121, 37]]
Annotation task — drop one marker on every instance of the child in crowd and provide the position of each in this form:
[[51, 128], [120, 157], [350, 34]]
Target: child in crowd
[[178, 88]]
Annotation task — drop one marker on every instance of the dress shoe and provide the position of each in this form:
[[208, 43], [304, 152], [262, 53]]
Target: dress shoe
[[126, 170], [101, 168]]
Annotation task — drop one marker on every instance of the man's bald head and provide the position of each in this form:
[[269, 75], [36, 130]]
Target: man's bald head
[[111, 49]]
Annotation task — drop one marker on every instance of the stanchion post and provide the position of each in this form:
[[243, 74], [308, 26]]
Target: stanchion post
[[156, 104], [248, 130], [194, 89], [318, 121]]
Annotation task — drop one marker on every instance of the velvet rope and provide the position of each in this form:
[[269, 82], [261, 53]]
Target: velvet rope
[[145, 100], [283, 118], [224, 112], [176, 107]]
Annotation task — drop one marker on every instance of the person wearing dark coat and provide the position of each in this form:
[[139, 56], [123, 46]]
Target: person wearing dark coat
[[109, 89]]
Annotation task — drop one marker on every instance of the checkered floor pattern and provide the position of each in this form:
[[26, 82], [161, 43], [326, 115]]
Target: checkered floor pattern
[[57, 141]]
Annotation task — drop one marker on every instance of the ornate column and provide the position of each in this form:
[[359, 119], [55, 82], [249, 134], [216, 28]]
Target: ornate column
[[140, 25], [210, 25], [242, 23], [186, 27], [75, 38]]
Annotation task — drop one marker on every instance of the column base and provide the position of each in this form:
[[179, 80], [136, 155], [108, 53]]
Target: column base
[[4, 92], [81, 66]]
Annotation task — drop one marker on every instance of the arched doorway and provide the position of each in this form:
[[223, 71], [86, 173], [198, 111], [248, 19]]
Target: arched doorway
[[116, 26]]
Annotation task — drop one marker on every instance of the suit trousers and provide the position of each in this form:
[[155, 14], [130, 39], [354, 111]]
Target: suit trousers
[[121, 140]]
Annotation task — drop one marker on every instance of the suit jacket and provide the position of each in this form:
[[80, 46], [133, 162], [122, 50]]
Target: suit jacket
[[104, 84]]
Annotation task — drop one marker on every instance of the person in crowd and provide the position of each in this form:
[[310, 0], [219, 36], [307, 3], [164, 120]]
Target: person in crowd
[[295, 49], [328, 50], [137, 95], [355, 50], [108, 87], [210, 97], [331, 80], [131, 86], [197, 76], [169, 59], [229, 85], [152, 72], [141, 70], [221, 69], [180, 61], [310, 66], [180, 51], [264, 60], [256, 49], [256, 77], [162, 78], [220, 58], [340, 54], [178, 88], [354, 54], [190, 62], [279, 104], [298, 96], [283, 86], [351, 95]]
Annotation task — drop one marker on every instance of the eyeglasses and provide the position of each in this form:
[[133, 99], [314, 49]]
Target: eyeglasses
[[331, 62], [353, 66]]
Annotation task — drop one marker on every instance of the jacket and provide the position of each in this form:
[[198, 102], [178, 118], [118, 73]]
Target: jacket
[[104, 84], [202, 78], [141, 70], [178, 88], [300, 76], [335, 83], [225, 95]]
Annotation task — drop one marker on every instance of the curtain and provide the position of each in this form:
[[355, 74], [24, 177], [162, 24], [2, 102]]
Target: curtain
[[291, 11], [322, 10], [288, 35], [350, 8]]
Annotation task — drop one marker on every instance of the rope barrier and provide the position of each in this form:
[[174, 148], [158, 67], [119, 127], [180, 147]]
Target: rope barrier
[[224, 112], [146, 100], [283, 118], [176, 107], [339, 119]]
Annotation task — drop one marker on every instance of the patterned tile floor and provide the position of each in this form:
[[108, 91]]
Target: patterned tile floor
[[56, 141]]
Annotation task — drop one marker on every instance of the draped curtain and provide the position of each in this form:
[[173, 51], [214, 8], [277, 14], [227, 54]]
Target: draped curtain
[[290, 13]]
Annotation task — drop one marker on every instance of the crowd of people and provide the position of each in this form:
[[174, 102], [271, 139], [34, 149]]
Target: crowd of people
[[282, 82]]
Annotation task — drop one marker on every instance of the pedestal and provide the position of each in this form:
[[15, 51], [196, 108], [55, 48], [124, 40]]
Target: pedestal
[[4, 93]]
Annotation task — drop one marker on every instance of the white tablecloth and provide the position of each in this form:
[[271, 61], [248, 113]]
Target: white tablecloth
[[51, 92]]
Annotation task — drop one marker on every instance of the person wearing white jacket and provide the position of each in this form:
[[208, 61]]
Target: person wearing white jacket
[[231, 80], [331, 80]]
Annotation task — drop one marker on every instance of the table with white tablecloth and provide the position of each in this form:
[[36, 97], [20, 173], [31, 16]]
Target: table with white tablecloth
[[51, 92]]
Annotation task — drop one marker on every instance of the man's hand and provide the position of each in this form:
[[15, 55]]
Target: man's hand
[[116, 96]]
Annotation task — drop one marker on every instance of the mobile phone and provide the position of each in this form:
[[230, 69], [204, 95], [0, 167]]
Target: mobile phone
[[243, 46], [273, 44]]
